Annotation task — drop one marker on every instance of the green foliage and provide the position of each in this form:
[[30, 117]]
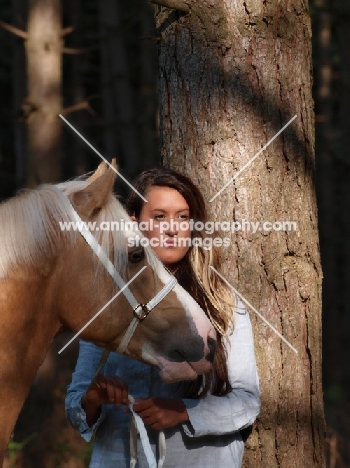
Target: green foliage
[[15, 448], [61, 451], [86, 454], [334, 394]]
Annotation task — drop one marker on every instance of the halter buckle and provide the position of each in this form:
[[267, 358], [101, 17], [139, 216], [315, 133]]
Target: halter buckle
[[144, 312]]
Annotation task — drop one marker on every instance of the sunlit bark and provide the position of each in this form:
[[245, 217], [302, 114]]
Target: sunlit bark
[[231, 75]]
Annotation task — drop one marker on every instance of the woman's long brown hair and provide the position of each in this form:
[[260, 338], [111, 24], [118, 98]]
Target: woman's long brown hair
[[195, 275]]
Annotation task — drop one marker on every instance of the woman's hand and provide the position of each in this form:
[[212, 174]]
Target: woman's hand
[[161, 413], [103, 390]]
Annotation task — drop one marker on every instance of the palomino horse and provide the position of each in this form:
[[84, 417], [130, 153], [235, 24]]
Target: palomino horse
[[50, 279]]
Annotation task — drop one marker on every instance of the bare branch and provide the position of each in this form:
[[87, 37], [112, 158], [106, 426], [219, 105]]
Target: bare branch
[[27, 108], [14, 30], [71, 51], [149, 38], [85, 105], [66, 31], [174, 4]]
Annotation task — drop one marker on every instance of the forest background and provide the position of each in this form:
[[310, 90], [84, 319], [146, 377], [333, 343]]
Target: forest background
[[116, 107]]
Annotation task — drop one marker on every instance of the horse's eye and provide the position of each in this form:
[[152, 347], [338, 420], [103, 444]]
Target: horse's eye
[[136, 255]]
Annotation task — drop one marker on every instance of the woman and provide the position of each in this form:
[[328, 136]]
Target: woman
[[202, 420]]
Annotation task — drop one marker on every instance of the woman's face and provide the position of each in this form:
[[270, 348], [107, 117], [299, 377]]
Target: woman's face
[[168, 215]]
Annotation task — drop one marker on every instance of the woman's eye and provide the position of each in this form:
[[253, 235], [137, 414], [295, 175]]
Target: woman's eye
[[160, 216], [184, 217]]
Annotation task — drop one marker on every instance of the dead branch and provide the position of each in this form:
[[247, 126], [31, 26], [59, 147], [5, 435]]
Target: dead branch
[[71, 51], [332, 444], [84, 105], [27, 108], [149, 38], [173, 4], [18, 32], [66, 31]]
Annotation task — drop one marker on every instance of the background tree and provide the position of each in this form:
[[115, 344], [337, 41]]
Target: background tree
[[18, 15], [44, 70], [230, 76], [332, 93]]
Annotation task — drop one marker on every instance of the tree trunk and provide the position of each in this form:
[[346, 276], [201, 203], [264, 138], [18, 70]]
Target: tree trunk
[[44, 54], [326, 176], [147, 110], [75, 13], [337, 294], [117, 92], [327, 188], [19, 91], [342, 154], [231, 75]]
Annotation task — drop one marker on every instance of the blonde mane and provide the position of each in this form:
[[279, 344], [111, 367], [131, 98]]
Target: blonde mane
[[30, 233]]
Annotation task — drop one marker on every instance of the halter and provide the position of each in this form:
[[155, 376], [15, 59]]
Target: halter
[[140, 311]]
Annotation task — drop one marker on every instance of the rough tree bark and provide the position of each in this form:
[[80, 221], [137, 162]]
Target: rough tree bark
[[231, 75], [44, 56]]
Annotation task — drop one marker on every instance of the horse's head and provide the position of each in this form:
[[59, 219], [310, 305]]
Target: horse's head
[[176, 335]]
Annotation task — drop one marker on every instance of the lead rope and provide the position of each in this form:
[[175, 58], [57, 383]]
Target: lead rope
[[137, 426]]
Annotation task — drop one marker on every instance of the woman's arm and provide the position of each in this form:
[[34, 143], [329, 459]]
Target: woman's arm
[[85, 399], [103, 390], [213, 415]]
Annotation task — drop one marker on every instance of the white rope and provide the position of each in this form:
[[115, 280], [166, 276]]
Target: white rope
[[137, 426]]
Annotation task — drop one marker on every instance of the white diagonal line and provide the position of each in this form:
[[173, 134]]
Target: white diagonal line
[[103, 158], [254, 309], [101, 310], [249, 162]]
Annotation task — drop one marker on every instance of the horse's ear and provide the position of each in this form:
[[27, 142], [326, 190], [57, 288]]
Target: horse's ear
[[101, 170], [92, 198]]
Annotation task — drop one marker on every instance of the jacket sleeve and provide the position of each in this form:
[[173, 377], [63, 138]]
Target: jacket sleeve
[[87, 363], [213, 415]]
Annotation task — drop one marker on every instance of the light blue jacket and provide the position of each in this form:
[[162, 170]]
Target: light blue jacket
[[211, 438]]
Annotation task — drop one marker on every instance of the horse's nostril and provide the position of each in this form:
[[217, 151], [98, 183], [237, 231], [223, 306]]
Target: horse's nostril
[[212, 348]]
